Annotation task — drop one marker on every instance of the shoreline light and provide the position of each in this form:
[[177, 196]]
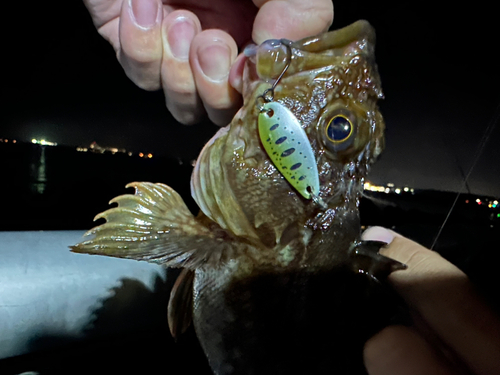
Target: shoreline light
[[43, 142]]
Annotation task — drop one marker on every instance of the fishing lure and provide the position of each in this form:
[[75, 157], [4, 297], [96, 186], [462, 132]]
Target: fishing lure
[[286, 142], [288, 147]]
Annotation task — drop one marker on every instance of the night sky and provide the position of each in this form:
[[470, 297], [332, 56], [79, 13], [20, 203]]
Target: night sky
[[439, 68]]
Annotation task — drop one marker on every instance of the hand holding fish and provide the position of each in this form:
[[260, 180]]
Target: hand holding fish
[[190, 51], [449, 315]]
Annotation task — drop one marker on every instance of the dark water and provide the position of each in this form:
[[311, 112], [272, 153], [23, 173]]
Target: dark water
[[58, 188]]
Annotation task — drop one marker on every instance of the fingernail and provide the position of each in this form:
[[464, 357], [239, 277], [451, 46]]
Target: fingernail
[[250, 50], [377, 234], [144, 12], [215, 60], [180, 35], [236, 73]]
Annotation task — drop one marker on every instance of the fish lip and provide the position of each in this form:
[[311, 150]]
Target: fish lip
[[269, 59], [359, 30], [250, 50]]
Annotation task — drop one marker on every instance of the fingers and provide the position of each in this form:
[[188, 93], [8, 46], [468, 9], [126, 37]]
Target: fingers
[[178, 31], [291, 19], [444, 297], [192, 66], [211, 55], [140, 50], [195, 70], [236, 73], [400, 350], [160, 49]]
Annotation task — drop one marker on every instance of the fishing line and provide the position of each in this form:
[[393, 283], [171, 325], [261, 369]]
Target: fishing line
[[482, 143]]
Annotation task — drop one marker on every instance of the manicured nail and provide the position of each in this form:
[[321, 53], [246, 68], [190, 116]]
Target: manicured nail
[[377, 234], [180, 35], [144, 12], [215, 60]]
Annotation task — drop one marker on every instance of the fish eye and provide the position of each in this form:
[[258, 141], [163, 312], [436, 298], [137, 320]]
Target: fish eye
[[339, 129]]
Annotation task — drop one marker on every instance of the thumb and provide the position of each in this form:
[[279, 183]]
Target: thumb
[[444, 297], [425, 267]]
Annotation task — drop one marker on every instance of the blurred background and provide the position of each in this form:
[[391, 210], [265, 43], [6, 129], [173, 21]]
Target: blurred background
[[74, 130]]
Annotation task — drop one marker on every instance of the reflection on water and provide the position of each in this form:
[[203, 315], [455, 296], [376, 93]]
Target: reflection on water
[[56, 187], [38, 175]]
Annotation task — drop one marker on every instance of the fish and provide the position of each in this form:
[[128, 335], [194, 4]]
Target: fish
[[275, 277]]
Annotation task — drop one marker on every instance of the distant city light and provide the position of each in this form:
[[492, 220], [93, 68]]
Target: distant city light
[[369, 186], [376, 188], [493, 204], [150, 155], [141, 154], [43, 142], [390, 188]]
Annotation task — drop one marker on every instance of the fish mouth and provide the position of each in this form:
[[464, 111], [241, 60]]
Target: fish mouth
[[314, 52]]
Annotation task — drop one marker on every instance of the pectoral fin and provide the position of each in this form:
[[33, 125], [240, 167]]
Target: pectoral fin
[[155, 225], [180, 304]]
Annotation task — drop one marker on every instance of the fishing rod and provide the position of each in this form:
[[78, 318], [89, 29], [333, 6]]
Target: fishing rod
[[482, 144]]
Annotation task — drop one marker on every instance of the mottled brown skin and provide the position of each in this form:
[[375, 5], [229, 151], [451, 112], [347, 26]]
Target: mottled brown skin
[[282, 285], [279, 316]]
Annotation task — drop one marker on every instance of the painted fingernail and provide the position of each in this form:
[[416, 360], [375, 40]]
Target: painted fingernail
[[180, 35], [144, 12], [377, 234], [215, 60]]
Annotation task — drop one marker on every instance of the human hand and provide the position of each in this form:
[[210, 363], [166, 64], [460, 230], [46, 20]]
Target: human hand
[[188, 47], [454, 331]]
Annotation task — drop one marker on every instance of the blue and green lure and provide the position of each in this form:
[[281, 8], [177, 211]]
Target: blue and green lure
[[288, 147]]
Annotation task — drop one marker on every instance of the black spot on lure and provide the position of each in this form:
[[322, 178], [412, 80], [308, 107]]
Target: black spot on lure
[[288, 147]]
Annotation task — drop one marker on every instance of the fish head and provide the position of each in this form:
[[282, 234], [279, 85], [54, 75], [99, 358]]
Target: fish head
[[328, 86], [331, 86]]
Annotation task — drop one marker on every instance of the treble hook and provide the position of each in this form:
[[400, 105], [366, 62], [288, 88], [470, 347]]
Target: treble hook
[[268, 95]]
